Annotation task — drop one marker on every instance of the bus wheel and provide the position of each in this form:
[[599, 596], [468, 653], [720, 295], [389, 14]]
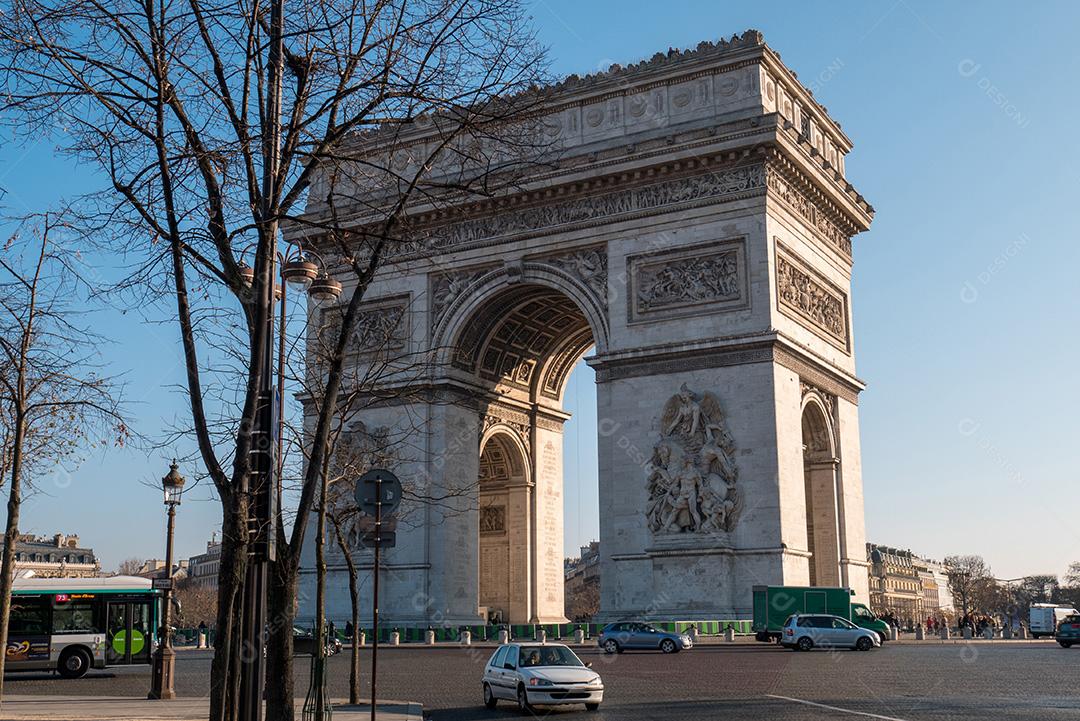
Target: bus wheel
[[73, 663]]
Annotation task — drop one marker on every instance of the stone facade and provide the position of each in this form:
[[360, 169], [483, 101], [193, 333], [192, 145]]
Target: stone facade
[[56, 556], [203, 568], [907, 586], [695, 233]]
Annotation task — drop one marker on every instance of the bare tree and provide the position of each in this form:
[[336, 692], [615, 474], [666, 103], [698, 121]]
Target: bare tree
[[52, 398], [214, 121], [970, 581], [130, 566], [198, 603]]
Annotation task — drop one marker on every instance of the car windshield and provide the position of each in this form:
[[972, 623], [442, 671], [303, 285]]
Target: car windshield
[[535, 656]]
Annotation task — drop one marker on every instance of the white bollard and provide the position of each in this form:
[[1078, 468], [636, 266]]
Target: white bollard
[[692, 633], [504, 637], [894, 633], [363, 638], [988, 633], [395, 638], [967, 633], [729, 634], [946, 634], [466, 638], [919, 633], [1022, 634], [579, 636], [541, 635], [429, 637], [202, 639], [1006, 631]]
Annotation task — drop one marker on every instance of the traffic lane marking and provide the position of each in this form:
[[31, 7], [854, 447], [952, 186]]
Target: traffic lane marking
[[835, 708]]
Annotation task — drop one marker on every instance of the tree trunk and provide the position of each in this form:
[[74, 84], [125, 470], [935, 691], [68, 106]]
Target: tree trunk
[[11, 537], [281, 612], [224, 671], [354, 601]]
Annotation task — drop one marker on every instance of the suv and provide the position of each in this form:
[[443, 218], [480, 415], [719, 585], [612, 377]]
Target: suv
[[1068, 631], [803, 632]]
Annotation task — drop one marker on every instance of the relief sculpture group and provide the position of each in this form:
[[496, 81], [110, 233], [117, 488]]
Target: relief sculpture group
[[692, 476]]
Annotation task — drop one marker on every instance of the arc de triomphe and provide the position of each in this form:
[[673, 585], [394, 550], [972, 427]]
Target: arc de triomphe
[[696, 237]]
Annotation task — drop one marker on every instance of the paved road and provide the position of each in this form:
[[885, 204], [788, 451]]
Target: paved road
[[1019, 680]]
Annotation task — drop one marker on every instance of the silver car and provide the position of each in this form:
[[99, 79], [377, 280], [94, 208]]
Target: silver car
[[803, 632], [619, 637], [540, 674]]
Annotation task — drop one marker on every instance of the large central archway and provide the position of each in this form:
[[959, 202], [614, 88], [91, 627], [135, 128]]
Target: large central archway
[[515, 346]]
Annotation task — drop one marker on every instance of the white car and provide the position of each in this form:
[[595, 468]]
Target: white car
[[803, 632], [540, 674]]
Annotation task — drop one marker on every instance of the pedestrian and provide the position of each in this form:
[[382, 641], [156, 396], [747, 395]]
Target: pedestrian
[[348, 630]]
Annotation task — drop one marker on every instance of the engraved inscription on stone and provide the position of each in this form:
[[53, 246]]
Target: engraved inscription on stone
[[807, 297]]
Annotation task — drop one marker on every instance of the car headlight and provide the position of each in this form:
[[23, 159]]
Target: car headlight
[[539, 682]]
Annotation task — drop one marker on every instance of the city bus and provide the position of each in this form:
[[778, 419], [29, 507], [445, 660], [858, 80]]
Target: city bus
[[70, 625]]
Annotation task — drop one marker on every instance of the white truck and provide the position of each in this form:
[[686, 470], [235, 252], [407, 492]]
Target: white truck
[[1045, 617]]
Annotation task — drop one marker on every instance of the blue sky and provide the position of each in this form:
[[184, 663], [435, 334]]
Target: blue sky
[[965, 294]]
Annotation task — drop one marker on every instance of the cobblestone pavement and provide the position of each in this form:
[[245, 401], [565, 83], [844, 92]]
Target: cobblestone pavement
[[1018, 680]]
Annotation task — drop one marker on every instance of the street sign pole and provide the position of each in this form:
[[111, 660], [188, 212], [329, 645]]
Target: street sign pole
[[375, 592], [378, 491]]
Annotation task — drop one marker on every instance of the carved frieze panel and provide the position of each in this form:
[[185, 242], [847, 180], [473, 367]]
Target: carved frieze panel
[[492, 519], [587, 265], [706, 278], [811, 299], [445, 288], [782, 187], [515, 420], [381, 326], [692, 476], [596, 208]]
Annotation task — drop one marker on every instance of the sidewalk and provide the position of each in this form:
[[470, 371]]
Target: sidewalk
[[79, 708]]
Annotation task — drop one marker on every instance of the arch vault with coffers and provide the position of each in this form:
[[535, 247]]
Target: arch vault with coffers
[[695, 235]]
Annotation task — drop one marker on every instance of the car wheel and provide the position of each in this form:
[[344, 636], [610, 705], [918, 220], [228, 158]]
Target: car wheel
[[881, 637], [591, 706], [804, 644], [668, 646], [523, 701], [1065, 644], [863, 643], [612, 646], [73, 663], [489, 698]]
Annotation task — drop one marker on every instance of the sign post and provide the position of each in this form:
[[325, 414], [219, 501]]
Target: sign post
[[377, 492]]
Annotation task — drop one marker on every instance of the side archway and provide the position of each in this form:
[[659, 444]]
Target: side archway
[[821, 468], [505, 520]]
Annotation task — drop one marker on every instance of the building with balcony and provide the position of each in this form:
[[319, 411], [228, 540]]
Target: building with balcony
[[58, 556]]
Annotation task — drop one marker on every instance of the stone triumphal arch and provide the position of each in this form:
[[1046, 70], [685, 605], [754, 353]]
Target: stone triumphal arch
[[694, 241]]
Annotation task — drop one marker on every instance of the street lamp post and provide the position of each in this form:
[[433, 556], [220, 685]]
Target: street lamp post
[[161, 678], [292, 267]]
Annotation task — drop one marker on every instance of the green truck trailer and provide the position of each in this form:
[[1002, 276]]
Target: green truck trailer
[[774, 604]]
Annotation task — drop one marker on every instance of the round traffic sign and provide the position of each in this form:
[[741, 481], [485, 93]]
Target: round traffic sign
[[389, 491]]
